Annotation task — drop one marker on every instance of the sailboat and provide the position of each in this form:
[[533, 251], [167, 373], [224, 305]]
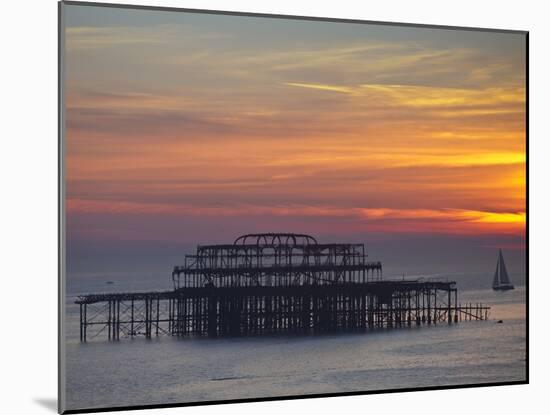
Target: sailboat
[[501, 281]]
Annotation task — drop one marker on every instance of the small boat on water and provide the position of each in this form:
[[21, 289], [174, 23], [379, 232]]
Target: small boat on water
[[501, 281]]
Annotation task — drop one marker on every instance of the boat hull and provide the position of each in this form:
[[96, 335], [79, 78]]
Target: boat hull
[[503, 288]]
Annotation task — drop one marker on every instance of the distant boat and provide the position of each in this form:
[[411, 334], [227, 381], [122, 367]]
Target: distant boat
[[501, 281]]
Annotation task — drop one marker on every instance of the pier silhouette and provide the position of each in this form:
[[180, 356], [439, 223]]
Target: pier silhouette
[[275, 283]]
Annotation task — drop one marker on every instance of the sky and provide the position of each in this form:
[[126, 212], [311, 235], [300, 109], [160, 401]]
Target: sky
[[186, 129]]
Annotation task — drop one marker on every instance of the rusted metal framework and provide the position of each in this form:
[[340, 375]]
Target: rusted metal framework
[[274, 283], [275, 259], [254, 310]]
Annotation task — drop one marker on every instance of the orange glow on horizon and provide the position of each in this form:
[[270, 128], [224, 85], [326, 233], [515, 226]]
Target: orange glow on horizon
[[375, 134]]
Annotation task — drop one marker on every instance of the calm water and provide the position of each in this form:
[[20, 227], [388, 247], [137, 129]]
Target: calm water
[[169, 370]]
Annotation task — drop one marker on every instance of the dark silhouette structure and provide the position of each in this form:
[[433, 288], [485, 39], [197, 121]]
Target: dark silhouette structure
[[501, 280], [273, 283]]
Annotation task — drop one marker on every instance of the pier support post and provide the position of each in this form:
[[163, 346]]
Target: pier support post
[[212, 315], [81, 324], [449, 317], [118, 320], [158, 317], [85, 321]]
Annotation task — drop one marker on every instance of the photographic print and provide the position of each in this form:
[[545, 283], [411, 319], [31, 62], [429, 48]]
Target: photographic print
[[259, 206]]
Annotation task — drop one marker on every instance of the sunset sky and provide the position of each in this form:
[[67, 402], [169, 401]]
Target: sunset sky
[[191, 128]]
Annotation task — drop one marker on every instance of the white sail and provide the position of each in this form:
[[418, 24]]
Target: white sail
[[503, 275], [501, 278], [496, 280]]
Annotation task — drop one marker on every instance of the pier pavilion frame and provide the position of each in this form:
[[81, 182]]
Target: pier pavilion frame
[[274, 283], [275, 260]]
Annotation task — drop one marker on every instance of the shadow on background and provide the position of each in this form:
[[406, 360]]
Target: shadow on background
[[48, 403]]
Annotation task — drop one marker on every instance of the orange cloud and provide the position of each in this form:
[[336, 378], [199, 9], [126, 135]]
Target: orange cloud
[[379, 134], [387, 219]]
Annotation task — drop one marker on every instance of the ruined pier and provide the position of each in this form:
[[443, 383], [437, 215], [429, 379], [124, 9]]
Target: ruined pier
[[274, 283]]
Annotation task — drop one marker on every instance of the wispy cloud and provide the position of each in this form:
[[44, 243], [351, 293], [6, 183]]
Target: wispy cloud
[[425, 96], [450, 221], [86, 38], [404, 158], [333, 88], [356, 133]]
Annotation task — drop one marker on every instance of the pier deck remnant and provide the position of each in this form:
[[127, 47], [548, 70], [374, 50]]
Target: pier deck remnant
[[274, 283]]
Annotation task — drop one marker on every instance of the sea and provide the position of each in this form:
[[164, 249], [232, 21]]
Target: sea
[[169, 370]]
